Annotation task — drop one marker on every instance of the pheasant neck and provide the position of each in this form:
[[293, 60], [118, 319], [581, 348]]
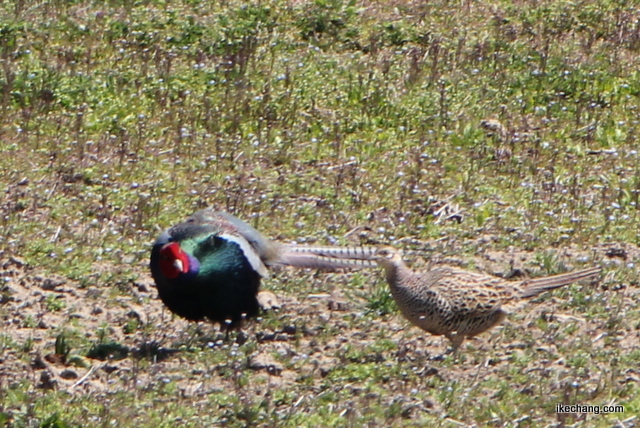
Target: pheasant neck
[[194, 267], [396, 274]]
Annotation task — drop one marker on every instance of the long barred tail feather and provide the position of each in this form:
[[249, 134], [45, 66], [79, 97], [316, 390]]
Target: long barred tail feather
[[316, 261], [534, 287], [353, 253]]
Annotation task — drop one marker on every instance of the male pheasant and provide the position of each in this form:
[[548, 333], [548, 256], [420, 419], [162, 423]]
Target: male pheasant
[[210, 266]]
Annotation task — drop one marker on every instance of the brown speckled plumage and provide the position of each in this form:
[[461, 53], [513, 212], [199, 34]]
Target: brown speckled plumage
[[457, 303]]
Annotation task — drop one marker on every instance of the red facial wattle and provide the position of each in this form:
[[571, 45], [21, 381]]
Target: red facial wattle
[[173, 261]]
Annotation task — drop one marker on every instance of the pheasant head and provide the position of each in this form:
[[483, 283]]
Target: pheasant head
[[176, 263], [388, 257]]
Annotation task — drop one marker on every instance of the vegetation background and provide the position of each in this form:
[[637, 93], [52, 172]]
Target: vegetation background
[[499, 134]]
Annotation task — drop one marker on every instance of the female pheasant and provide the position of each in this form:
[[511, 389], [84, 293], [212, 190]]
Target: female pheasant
[[457, 303], [210, 266]]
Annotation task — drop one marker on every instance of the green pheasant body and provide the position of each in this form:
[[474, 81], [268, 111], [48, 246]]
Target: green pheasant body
[[224, 288], [210, 266]]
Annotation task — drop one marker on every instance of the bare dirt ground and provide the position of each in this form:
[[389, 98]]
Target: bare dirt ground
[[29, 318]]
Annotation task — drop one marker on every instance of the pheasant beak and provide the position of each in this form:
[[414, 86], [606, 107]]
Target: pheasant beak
[[177, 263]]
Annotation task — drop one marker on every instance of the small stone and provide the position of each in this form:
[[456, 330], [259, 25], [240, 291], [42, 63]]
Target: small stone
[[616, 252], [266, 337], [5, 297], [69, 374], [338, 305], [54, 358], [51, 284], [429, 371], [289, 329], [93, 293], [109, 368], [134, 315], [266, 362]]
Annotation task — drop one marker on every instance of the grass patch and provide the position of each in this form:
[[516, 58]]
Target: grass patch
[[499, 135]]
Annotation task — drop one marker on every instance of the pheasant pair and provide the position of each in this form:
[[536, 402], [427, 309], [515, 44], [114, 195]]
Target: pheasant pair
[[210, 266]]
